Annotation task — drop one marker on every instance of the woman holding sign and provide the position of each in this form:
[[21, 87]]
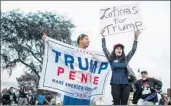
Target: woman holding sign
[[82, 42], [118, 61]]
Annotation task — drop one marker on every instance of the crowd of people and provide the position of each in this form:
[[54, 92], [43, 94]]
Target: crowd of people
[[145, 90], [22, 97]]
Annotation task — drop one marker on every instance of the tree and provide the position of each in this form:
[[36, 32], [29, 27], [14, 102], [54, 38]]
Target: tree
[[21, 38], [29, 81]]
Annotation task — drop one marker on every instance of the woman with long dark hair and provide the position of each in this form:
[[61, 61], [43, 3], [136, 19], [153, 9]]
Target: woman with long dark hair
[[120, 86]]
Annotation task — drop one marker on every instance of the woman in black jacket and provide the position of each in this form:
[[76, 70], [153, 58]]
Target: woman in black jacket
[[118, 61]]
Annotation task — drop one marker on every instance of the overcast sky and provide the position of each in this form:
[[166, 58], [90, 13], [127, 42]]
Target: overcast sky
[[153, 52]]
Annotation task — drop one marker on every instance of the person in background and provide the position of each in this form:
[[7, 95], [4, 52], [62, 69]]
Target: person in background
[[53, 101], [146, 90], [120, 86], [41, 99], [82, 42], [22, 96], [14, 98], [164, 100], [32, 100], [46, 102], [5, 97], [10, 92]]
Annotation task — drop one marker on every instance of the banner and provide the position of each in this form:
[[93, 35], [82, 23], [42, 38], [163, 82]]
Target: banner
[[73, 71], [120, 19]]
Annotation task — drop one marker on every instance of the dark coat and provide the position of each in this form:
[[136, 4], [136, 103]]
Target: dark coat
[[154, 83], [119, 65]]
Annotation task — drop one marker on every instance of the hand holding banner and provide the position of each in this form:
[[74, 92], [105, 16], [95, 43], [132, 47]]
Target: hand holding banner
[[73, 71], [120, 19]]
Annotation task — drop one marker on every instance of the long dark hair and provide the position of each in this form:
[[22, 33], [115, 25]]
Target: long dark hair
[[122, 58]]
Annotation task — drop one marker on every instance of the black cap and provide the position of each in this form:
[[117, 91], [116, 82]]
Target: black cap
[[144, 71]]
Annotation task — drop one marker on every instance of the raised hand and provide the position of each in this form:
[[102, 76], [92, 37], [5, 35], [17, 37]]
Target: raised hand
[[102, 32], [136, 34]]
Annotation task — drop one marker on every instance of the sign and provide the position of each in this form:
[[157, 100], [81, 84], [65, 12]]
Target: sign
[[120, 19], [72, 71]]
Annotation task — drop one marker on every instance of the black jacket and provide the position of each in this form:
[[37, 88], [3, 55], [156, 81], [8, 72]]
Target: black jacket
[[154, 83], [120, 68]]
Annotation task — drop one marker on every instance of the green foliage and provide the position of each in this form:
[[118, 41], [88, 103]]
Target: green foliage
[[21, 37]]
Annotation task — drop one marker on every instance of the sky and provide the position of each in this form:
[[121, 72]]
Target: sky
[[153, 51]]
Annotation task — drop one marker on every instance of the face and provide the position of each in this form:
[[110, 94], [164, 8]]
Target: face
[[144, 76], [118, 51], [85, 41]]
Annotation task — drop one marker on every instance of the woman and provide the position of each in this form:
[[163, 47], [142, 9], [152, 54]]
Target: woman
[[118, 61], [82, 42]]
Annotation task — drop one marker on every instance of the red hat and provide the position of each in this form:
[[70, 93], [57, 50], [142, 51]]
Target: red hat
[[118, 45]]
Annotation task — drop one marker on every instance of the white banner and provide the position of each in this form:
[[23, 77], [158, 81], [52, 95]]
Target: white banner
[[72, 71], [120, 19]]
